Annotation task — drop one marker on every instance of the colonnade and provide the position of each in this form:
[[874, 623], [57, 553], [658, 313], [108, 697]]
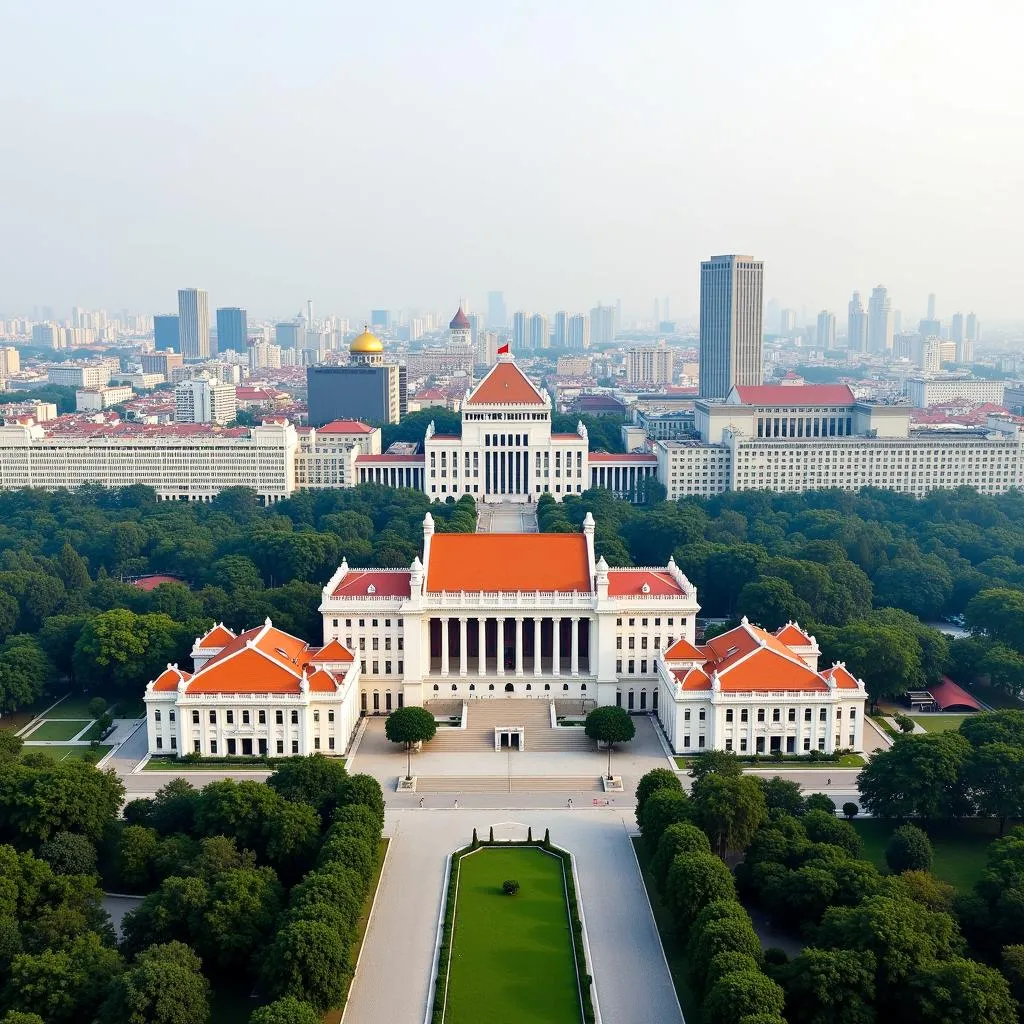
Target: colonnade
[[392, 476], [621, 479], [464, 650]]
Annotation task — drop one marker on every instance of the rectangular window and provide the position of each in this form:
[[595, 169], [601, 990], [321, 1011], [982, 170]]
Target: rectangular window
[[728, 714], [807, 714], [295, 717], [700, 741], [776, 714], [760, 714], [686, 715], [316, 715], [156, 715], [728, 744], [245, 718], [280, 746], [231, 747], [792, 714], [195, 717], [279, 717], [853, 714], [744, 715], [159, 743], [231, 717], [686, 741], [316, 742], [632, 668], [760, 744], [618, 647], [618, 666], [822, 714], [213, 746], [263, 717], [330, 742], [330, 716], [213, 718], [295, 746], [196, 748], [743, 744]]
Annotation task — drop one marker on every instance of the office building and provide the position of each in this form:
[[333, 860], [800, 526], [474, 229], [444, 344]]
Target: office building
[[232, 330], [520, 331], [731, 289], [787, 323], [880, 321], [380, 319], [603, 324], [579, 331], [826, 332], [166, 334], [539, 337], [290, 334], [48, 336], [927, 391], [649, 364], [205, 400], [856, 325], [162, 362], [930, 328], [368, 389], [194, 323], [931, 307], [264, 355], [560, 338], [497, 314], [74, 375], [972, 328], [10, 361], [98, 399]]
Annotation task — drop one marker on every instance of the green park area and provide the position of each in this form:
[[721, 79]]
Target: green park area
[[939, 723], [58, 729], [71, 751], [959, 847], [512, 957]]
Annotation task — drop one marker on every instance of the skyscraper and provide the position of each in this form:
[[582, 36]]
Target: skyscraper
[[194, 323], [539, 332], [956, 328], [232, 331], [561, 338], [973, 328], [579, 331], [602, 324], [856, 325], [787, 322], [931, 306], [520, 331], [880, 325], [497, 314], [165, 332], [290, 334], [731, 304], [826, 330]]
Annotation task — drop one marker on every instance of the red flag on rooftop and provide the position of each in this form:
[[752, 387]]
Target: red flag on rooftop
[[503, 350]]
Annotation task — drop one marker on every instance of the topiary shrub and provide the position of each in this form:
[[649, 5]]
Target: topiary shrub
[[850, 810], [909, 849], [510, 887]]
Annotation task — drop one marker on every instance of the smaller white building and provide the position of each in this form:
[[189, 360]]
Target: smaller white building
[[755, 692], [205, 400], [262, 692], [97, 399]]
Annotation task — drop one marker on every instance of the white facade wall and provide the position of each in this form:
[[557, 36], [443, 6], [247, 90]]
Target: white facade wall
[[924, 393]]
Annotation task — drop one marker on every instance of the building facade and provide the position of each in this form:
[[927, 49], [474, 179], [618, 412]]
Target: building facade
[[856, 325], [260, 693], [649, 364], [880, 321], [327, 455], [205, 400], [194, 323], [731, 304], [926, 391], [167, 331], [232, 329]]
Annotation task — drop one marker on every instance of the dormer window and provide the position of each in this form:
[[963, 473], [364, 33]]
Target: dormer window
[[646, 588], [371, 589]]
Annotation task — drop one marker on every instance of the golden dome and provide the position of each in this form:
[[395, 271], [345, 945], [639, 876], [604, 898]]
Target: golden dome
[[365, 343]]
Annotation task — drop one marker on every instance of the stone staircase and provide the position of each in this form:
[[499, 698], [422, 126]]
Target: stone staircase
[[485, 714], [508, 784]]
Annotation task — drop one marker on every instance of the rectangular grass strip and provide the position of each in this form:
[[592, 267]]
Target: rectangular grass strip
[[57, 729], [512, 956]]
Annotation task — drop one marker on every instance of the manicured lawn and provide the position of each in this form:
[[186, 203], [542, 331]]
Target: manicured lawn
[[939, 723], [512, 956], [17, 720], [70, 753], [172, 765], [844, 761], [57, 729], [959, 847], [76, 706], [674, 947]]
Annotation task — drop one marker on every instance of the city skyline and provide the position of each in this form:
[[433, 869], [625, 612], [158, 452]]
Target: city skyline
[[426, 145]]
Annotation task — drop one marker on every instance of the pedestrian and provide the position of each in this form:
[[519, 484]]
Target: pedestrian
[[456, 805], [421, 801], [829, 783], [570, 803]]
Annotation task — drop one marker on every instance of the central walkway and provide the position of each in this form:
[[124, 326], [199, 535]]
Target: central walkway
[[506, 517], [482, 716]]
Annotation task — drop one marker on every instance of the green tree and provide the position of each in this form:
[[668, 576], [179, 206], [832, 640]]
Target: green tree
[[73, 569], [771, 603], [25, 672], [174, 807], [730, 809], [313, 780], [121, 649], [719, 762], [731, 934], [662, 808], [609, 724], [69, 854], [994, 727], [695, 880], [1013, 970], [173, 913], [994, 774], [681, 837], [242, 911], [782, 795], [655, 779], [136, 850], [825, 827], [924, 888], [362, 790], [291, 834], [308, 961], [830, 986], [999, 613], [741, 993], [918, 776], [17, 1017], [165, 985], [410, 725], [286, 1011], [959, 991]]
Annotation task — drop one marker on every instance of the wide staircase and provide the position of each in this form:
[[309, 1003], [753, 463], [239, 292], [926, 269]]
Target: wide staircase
[[509, 784], [484, 715]]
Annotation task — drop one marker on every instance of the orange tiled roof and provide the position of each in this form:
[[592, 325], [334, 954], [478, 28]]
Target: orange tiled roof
[[219, 636], [385, 584], [508, 561], [506, 384], [262, 660], [169, 679], [843, 678], [630, 583], [693, 678], [334, 651], [791, 633], [683, 650]]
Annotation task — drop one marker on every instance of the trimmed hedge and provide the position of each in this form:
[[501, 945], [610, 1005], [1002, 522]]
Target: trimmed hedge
[[575, 922]]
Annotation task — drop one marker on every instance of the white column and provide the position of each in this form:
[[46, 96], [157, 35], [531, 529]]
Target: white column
[[556, 629], [444, 647], [536, 646], [463, 652], [482, 645], [574, 663], [500, 646], [519, 645]]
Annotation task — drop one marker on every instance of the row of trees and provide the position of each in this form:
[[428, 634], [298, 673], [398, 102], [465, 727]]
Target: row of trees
[[878, 947], [244, 882], [977, 771]]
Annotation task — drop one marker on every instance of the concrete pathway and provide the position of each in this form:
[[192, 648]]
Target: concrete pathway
[[633, 982], [507, 517]]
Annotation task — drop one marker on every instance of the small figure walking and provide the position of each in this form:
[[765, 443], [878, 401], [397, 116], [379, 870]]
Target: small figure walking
[[570, 803], [421, 801], [456, 805], [829, 782]]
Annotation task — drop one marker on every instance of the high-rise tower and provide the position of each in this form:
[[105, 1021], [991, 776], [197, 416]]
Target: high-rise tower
[[856, 325], [194, 323], [731, 303], [232, 330], [880, 323]]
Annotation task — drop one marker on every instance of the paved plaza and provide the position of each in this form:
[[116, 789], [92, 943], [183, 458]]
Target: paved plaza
[[394, 974], [506, 517]]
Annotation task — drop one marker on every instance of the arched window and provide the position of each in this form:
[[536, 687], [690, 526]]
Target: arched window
[[435, 687], [529, 687], [547, 686], [472, 687], [565, 686], [491, 686], [583, 686]]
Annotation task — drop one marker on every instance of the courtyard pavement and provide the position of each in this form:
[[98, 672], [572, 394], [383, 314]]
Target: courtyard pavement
[[632, 979], [506, 517]]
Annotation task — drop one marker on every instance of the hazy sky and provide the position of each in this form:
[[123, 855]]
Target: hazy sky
[[403, 154]]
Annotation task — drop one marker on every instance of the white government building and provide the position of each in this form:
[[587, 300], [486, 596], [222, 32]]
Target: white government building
[[498, 616]]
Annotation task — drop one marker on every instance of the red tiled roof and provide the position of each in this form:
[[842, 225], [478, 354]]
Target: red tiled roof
[[460, 320], [168, 679], [683, 650], [630, 583], [508, 561], [693, 678], [219, 636], [948, 695], [505, 384], [357, 583], [345, 427], [334, 651], [795, 394], [791, 634], [843, 679]]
